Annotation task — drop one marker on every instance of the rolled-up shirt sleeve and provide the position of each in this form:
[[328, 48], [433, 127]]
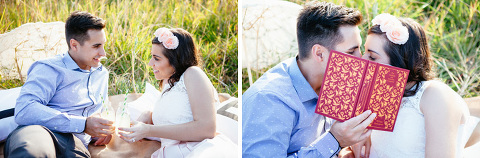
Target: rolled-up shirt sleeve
[[31, 107], [267, 124], [326, 146]]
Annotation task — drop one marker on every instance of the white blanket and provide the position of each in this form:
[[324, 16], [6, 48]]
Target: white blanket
[[8, 99]]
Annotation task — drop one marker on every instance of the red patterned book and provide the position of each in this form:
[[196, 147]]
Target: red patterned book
[[352, 85]]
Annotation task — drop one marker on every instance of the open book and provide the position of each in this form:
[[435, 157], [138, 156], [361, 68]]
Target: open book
[[352, 85]]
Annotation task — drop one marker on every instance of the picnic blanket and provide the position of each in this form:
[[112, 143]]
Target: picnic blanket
[[227, 115]]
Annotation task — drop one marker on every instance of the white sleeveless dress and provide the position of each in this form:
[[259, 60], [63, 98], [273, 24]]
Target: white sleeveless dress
[[172, 108], [408, 137]]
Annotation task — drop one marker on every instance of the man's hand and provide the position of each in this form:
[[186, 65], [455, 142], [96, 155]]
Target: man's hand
[[103, 140], [353, 131], [99, 127]]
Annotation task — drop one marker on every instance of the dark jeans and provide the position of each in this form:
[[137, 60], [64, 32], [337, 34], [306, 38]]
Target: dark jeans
[[38, 141]]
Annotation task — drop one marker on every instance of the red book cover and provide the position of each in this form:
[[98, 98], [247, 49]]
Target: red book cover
[[352, 85]]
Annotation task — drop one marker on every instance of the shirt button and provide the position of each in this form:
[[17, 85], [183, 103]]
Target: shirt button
[[55, 127], [331, 151]]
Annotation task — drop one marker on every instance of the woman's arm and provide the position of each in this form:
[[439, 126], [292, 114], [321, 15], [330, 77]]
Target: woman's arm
[[201, 97], [443, 116], [145, 117], [474, 108]]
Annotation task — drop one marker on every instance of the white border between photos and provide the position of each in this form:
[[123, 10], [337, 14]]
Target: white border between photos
[[239, 69]]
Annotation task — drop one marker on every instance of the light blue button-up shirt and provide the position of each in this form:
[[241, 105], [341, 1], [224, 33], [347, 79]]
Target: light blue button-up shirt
[[60, 96], [279, 119]]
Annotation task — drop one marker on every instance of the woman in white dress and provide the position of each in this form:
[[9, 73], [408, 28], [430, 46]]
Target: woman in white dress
[[184, 116], [431, 118]]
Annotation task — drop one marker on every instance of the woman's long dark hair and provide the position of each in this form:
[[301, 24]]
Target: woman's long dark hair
[[414, 55], [181, 58]]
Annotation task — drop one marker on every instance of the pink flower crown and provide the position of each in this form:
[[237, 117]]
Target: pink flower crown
[[393, 28], [166, 37]]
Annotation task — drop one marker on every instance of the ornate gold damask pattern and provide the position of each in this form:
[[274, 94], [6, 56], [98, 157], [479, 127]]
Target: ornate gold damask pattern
[[385, 98], [341, 86], [367, 83]]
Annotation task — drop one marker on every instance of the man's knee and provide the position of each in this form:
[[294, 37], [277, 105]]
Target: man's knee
[[28, 141]]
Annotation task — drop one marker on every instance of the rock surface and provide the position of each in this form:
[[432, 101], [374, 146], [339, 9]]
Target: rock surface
[[28, 43]]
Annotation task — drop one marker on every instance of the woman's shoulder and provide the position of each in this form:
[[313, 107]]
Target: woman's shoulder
[[195, 76], [436, 88], [193, 72], [438, 95], [193, 69]]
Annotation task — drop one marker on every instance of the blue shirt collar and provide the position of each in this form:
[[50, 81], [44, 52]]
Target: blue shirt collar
[[72, 65], [304, 90]]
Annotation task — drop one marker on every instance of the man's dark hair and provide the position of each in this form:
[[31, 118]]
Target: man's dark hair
[[318, 23], [79, 23]]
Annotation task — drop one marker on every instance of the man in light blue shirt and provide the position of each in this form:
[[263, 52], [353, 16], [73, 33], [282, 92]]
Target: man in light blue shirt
[[57, 103], [278, 110]]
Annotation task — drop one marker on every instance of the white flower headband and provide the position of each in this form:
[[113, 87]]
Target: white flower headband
[[166, 37], [393, 28]]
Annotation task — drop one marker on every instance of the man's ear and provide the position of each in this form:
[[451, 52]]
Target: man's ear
[[319, 52], [73, 44]]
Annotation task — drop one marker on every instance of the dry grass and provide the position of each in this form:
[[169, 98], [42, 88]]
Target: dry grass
[[452, 27], [130, 25]]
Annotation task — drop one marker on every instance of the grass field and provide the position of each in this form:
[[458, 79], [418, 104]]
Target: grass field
[[453, 29], [130, 26]]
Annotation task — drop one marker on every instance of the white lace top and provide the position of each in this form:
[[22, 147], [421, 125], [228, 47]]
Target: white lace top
[[408, 137], [173, 107]]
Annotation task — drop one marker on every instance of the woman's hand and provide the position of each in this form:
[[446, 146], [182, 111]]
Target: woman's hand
[[359, 150], [346, 153], [137, 132]]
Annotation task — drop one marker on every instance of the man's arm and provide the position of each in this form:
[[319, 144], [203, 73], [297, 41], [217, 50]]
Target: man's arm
[[267, 125], [325, 146], [37, 91]]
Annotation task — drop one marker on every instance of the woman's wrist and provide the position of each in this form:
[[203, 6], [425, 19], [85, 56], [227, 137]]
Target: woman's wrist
[[148, 130]]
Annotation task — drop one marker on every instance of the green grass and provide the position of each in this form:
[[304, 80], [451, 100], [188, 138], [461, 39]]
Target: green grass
[[129, 29], [453, 29]]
